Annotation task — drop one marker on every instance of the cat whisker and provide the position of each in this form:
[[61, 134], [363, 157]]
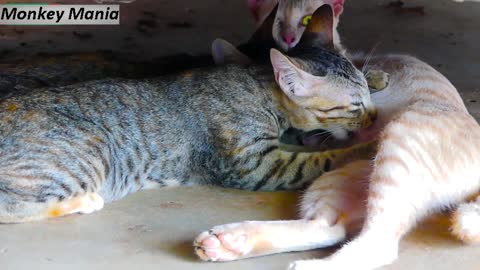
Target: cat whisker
[[369, 56]]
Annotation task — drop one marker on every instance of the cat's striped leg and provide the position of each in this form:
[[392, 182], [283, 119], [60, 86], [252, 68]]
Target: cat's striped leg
[[19, 211], [466, 222], [36, 184], [330, 206]]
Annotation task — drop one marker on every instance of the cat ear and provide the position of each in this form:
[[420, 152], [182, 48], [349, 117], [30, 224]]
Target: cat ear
[[292, 80], [224, 52], [320, 27], [337, 6], [264, 32]]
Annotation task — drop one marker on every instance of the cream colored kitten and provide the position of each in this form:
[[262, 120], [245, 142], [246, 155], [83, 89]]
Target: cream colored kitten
[[428, 158], [292, 18]]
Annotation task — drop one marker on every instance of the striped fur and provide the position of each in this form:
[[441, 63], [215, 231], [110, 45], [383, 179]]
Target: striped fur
[[70, 149], [427, 160]]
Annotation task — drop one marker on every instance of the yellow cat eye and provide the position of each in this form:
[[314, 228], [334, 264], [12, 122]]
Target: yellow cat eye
[[306, 20]]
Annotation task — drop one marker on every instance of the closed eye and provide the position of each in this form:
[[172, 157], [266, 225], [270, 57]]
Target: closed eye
[[355, 112], [332, 109]]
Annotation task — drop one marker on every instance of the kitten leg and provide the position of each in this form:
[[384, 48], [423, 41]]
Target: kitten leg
[[24, 211], [466, 222], [83, 204], [338, 196], [376, 245], [258, 238], [335, 196]]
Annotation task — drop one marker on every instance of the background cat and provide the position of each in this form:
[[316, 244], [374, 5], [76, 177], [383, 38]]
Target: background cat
[[292, 17]]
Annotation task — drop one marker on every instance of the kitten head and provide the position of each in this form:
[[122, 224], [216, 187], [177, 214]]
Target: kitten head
[[293, 17], [329, 91], [322, 89]]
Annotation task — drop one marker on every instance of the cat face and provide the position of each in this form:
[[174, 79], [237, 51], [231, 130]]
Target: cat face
[[322, 89], [293, 16], [330, 92], [326, 91]]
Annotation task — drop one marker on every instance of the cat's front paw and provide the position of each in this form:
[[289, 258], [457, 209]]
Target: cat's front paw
[[377, 80], [466, 223], [223, 243]]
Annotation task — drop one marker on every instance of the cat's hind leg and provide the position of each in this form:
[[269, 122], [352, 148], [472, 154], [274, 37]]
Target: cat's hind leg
[[466, 222]]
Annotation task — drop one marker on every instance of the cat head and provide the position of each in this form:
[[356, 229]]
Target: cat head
[[321, 88], [293, 17]]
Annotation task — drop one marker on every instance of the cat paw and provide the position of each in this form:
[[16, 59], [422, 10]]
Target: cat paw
[[314, 209], [223, 243], [466, 223], [90, 203], [377, 80]]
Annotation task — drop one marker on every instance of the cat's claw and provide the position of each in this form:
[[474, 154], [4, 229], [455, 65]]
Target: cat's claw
[[220, 245]]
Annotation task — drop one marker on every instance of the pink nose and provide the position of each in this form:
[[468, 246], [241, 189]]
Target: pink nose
[[289, 39]]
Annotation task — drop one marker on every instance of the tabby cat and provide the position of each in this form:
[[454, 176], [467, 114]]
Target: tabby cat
[[428, 159], [292, 18], [69, 149]]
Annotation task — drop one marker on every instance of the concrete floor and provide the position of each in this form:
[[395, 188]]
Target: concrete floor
[[154, 229]]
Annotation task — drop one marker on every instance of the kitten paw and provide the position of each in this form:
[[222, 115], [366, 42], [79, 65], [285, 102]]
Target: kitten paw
[[323, 212], [466, 223], [377, 80], [90, 203], [223, 243], [82, 204]]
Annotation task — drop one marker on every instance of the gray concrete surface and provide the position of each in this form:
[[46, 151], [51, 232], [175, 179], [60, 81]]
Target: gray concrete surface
[[154, 229]]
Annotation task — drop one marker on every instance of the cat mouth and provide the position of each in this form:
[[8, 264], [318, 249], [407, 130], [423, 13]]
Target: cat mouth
[[319, 139], [324, 139]]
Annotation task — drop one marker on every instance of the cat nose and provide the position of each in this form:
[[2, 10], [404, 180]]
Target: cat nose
[[289, 39]]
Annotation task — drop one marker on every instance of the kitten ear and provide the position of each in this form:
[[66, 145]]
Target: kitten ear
[[292, 80], [224, 52], [320, 27], [337, 6], [264, 32]]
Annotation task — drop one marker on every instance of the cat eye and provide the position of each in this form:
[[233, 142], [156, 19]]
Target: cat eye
[[306, 20]]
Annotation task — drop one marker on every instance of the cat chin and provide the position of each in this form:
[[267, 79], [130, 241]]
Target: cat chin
[[326, 139], [366, 134]]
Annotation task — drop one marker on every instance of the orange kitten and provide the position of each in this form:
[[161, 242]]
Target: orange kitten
[[428, 159]]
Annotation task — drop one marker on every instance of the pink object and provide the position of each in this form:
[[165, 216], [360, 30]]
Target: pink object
[[289, 39], [253, 5], [338, 7]]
